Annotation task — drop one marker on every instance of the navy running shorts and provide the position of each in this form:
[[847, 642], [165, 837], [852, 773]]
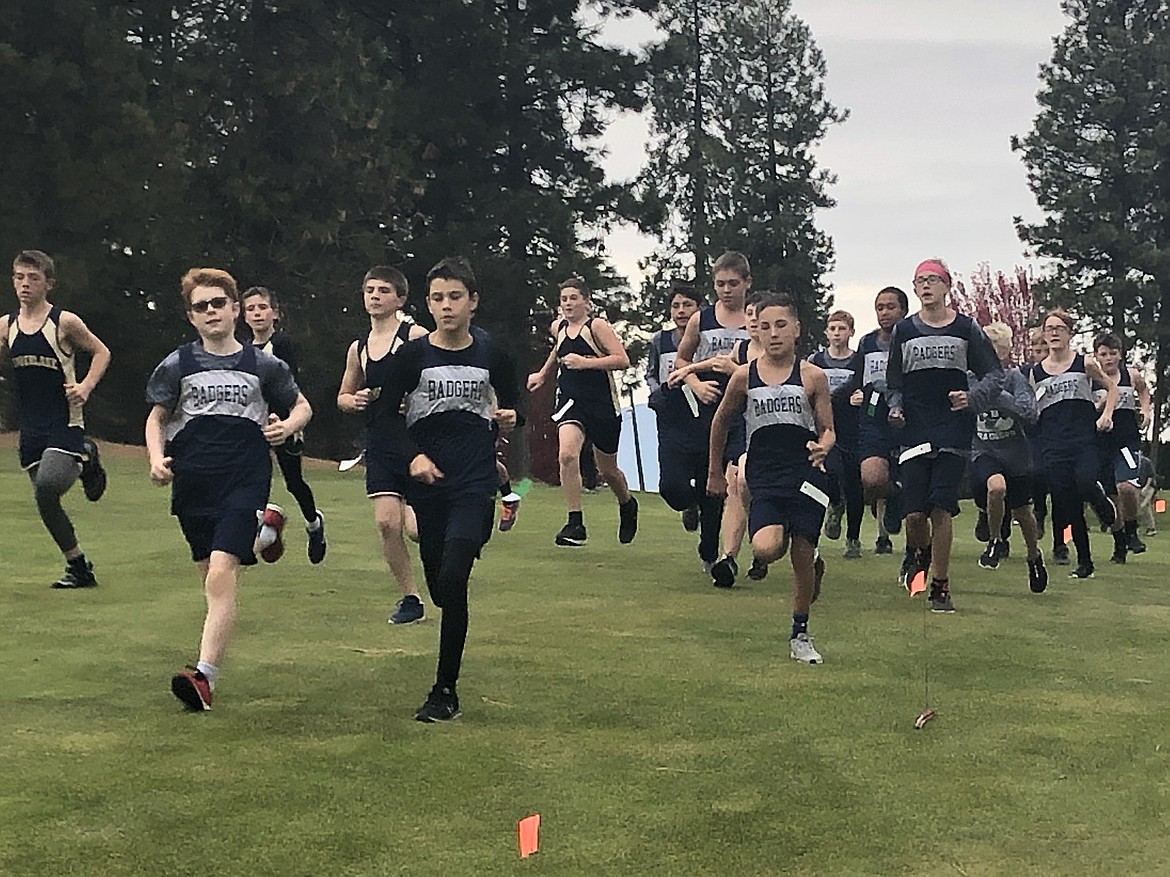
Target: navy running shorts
[[1019, 487], [931, 481]]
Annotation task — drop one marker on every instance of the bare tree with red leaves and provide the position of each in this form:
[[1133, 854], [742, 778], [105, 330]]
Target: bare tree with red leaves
[[1000, 299]]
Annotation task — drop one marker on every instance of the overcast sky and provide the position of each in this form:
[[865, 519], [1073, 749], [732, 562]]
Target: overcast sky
[[935, 90]]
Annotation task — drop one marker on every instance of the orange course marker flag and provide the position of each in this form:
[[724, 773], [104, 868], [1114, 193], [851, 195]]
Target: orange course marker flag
[[918, 583], [529, 831], [1067, 535], [1160, 506]]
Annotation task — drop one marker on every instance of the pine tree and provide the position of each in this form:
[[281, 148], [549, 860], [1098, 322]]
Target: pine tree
[[737, 90], [1098, 160]]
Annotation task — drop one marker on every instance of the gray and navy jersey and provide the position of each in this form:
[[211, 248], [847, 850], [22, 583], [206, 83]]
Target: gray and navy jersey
[[926, 364], [1125, 432], [450, 398], [869, 373], [715, 339], [219, 406], [1001, 421], [780, 424], [41, 366], [843, 380], [669, 404], [1068, 417], [595, 390]]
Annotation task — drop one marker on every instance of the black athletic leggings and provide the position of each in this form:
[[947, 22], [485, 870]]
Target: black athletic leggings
[[1072, 483], [845, 483], [294, 480], [682, 482]]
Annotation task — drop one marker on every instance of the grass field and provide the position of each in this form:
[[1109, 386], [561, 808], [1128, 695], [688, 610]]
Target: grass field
[[656, 724]]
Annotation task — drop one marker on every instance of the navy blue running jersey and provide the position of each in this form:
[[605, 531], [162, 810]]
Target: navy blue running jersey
[[219, 406], [843, 380], [1068, 417], [780, 424], [593, 389], [715, 339], [41, 368], [1125, 432], [926, 364], [450, 398], [668, 403], [280, 345], [375, 372], [869, 367]]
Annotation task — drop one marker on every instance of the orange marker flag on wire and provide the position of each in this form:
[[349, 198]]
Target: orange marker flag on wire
[[1160, 506], [918, 583], [1067, 534], [529, 831]]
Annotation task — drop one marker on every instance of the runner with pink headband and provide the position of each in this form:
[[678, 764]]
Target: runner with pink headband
[[933, 266]]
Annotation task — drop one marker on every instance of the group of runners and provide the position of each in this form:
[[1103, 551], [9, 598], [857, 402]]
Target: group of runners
[[754, 439]]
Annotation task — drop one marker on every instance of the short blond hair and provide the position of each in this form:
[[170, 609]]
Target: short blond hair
[[999, 333]]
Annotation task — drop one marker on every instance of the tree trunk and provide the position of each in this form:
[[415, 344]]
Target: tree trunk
[[698, 231]]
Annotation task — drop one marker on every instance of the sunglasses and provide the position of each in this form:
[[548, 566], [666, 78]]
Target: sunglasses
[[202, 307]]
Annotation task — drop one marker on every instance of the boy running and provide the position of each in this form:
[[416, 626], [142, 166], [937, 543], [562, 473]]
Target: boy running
[[367, 361], [844, 466], [457, 390], [587, 407], [681, 483], [710, 337], [42, 341], [261, 314], [876, 441], [789, 432], [1001, 460], [930, 355], [1067, 434], [208, 435], [1120, 448]]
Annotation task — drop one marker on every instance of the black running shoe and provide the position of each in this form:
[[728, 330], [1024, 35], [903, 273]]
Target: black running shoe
[[982, 530], [759, 570], [690, 518], [989, 559], [1004, 551], [832, 528], [909, 567], [317, 544], [571, 534], [940, 597], [442, 705], [1104, 508], [1118, 555], [1135, 544], [892, 516], [1060, 555], [724, 571], [76, 576], [93, 474], [1037, 574], [628, 521], [1083, 571], [883, 545]]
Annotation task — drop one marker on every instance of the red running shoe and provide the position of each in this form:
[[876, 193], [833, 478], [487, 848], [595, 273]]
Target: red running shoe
[[192, 688], [274, 518]]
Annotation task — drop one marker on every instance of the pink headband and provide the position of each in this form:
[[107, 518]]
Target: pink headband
[[932, 267]]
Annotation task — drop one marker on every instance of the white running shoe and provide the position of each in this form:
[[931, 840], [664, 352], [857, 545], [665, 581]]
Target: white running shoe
[[803, 651]]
